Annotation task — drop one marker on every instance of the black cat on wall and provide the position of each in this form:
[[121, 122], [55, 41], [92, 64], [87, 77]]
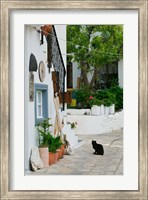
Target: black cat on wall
[[99, 150]]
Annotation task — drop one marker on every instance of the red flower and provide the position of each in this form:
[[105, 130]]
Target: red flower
[[91, 97]]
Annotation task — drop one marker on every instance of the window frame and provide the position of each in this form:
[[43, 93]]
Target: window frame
[[39, 92], [44, 89]]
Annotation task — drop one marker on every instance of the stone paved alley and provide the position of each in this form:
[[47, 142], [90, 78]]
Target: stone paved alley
[[84, 162]]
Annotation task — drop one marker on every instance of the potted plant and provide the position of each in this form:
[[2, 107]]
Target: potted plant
[[107, 104], [44, 136], [52, 154], [58, 145], [95, 105], [112, 106], [72, 124], [54, 149]]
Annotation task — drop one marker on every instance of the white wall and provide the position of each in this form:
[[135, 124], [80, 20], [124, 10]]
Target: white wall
[[76, 74], [32, 45], [88, 124], [120, 73]]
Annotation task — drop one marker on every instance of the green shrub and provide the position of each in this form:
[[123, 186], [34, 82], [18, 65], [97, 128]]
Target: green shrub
[[118, 92], [54, 143], [87, 98], [82, 97]]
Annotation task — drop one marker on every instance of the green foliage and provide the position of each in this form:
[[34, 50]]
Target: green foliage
[[44, 134], [54, 143], [118, 92], [52, 148], [106, 97], [95, 101], [82, 96], [45, 137], [93, 46], [73, 124]]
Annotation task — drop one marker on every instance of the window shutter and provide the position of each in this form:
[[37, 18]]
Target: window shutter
[[67, 97]]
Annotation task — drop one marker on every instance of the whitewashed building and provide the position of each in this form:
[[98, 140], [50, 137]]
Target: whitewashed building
[[39, 90], [75, 73]]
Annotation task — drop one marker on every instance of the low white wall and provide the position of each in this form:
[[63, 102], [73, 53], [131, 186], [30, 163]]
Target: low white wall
[[87, 124], [77, 111]]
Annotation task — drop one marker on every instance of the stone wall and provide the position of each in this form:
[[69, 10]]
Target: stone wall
[[87, 124]]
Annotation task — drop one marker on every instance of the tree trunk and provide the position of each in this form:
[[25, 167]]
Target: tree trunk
[[94, 78], [84, 78]]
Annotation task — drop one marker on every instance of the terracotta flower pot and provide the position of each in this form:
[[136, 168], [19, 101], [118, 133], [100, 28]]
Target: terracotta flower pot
[[51, 158], [56, 157], [43, 151], [59, 153], [63, 149]]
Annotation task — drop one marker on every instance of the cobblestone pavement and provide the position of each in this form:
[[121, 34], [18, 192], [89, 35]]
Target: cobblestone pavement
[[84, 162]]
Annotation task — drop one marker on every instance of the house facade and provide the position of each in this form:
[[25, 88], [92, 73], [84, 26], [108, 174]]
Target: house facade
[[115, 71], [39, 84]]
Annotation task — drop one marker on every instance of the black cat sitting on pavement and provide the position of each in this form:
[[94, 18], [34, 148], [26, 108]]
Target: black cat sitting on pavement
[[99, 150]]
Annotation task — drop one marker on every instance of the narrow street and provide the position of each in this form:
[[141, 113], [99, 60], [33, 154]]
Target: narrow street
[[84, 162]]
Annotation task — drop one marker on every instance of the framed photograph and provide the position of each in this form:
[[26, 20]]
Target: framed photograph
[[28, 28]]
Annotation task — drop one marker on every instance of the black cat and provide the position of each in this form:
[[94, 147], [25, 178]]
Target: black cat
[[99, 150]]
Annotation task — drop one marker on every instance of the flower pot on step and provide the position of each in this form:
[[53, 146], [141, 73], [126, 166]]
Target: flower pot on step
[[56, 157], [59, 153], [51, 158], [43, 151], [63, 149], [95, 110], [102, 110], [106, 110], [112, 109]]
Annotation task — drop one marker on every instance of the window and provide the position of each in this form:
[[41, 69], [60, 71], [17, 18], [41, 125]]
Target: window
[[41, 102]]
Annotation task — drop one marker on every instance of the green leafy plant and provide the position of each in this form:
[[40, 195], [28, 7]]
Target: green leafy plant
[[107, 102], [118, 92], [52, 148], [108, 97], [73, 124], [82, 97], [54, 143], [44, 134], [95, 101]]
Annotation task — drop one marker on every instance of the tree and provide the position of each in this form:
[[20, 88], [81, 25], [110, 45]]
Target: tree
[[92, 47]]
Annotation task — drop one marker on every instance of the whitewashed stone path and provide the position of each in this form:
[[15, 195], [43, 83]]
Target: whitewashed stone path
[[84, 162]]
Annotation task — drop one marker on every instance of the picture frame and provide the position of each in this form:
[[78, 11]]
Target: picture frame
[[6, 7]]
